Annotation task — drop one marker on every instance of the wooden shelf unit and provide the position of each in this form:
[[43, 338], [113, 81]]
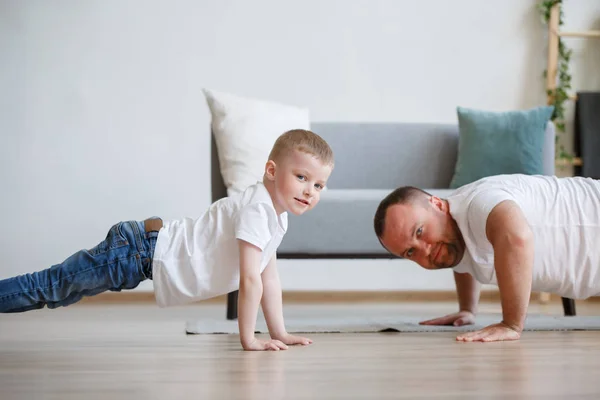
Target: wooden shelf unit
[[553, 36]]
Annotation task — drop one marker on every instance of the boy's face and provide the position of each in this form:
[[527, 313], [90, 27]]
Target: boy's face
[[298, 180]]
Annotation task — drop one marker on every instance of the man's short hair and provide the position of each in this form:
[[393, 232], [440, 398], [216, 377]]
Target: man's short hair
[[304, 141], [402, 195]]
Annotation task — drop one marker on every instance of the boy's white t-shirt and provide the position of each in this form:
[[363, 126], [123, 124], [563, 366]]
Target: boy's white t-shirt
[[199, 259], [564, 215]]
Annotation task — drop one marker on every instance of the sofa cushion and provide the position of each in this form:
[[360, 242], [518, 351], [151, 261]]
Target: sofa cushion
[[495, 143], [389, 155], [245, 130], [341, 224]]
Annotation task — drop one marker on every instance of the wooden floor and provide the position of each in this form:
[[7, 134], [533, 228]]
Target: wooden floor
[[138, 351]]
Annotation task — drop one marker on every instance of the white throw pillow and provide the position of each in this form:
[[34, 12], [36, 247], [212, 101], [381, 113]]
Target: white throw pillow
[[245, 130]]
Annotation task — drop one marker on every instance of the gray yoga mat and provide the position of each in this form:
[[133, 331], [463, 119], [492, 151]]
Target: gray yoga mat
[[393, 324]]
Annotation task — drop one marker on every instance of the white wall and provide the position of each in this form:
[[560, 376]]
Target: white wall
[[102, 116]]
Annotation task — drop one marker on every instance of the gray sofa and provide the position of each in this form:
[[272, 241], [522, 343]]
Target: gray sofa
[[371, 159]]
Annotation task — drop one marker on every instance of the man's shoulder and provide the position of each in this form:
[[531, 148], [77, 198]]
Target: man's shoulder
[[506, 185], [471, 204]]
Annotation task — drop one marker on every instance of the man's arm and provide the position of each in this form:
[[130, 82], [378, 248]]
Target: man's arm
[[272, 305], [467, 289], [508, 231], [251, 291], [513, 242]]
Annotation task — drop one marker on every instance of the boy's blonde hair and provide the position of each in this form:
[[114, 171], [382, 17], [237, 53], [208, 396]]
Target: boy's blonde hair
[[305, 141]]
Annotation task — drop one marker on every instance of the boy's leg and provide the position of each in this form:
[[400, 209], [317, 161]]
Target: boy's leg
[[121, 261]]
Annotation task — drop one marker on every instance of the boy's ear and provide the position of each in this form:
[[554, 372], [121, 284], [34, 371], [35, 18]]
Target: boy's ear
[[270, 170]]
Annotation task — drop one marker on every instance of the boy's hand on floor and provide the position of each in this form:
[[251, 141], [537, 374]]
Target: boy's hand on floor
[[291, 339], [260, 345]]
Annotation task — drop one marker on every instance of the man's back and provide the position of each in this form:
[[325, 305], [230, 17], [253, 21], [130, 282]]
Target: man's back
[[564, 215]]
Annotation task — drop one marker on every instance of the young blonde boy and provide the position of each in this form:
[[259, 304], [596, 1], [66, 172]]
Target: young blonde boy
[[231, 246]]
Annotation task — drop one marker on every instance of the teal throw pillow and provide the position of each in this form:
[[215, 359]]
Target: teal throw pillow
[[496, 143]]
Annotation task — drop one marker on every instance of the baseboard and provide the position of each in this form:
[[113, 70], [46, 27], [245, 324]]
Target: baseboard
[[316, 297], [363, 296], [134, 296], [310, 297]]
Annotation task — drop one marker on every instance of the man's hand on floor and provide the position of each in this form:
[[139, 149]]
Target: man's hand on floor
[[493, 333], [457, 319]]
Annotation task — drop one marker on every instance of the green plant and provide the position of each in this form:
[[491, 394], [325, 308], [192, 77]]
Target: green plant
[[559, 95]]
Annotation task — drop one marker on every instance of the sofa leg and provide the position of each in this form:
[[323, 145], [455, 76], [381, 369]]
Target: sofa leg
[[568, 306], [232, 302]]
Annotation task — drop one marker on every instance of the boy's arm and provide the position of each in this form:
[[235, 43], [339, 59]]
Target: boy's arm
[[251, 290], [272, 305]]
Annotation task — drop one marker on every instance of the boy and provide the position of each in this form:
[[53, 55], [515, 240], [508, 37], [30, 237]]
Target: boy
[[231, 246]]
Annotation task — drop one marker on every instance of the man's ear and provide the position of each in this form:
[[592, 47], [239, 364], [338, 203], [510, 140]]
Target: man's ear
[[270, 170], [438, 203]]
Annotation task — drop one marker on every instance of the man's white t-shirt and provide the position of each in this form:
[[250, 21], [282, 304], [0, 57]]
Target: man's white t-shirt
[[564, 215], [199, 259]]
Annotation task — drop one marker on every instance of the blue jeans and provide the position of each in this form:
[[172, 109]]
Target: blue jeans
[[121, 261]]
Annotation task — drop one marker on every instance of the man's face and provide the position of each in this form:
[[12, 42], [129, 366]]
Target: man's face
[[423, 232]]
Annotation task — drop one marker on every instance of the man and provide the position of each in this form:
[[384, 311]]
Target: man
[[519, 232]]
